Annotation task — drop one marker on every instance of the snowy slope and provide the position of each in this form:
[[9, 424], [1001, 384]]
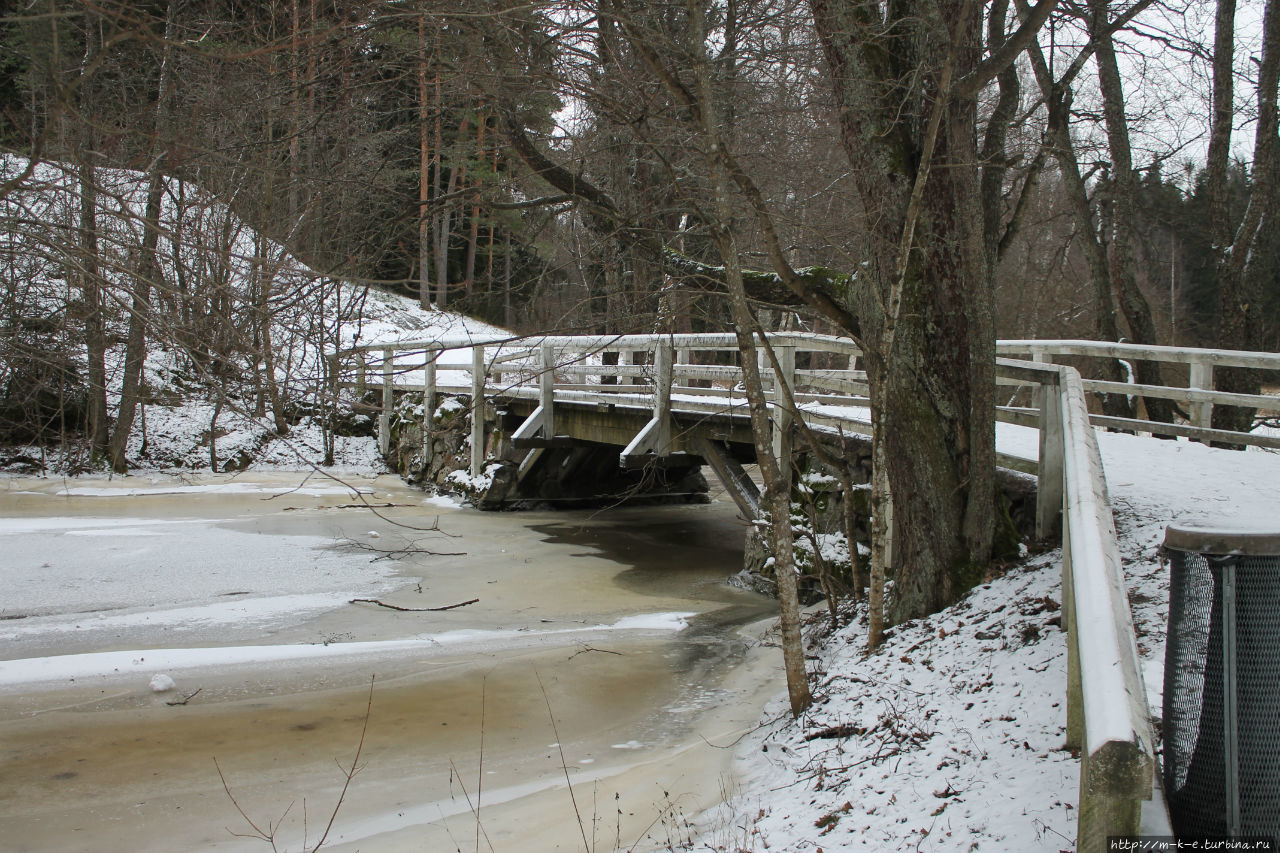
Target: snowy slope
[[950, 737], [214, 267]]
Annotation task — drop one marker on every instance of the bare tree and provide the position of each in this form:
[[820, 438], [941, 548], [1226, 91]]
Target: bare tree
[[1239, 295]]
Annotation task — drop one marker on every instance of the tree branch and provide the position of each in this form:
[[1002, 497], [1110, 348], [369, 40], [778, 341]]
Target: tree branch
[[972, 83], [413, 609], [820, 288]]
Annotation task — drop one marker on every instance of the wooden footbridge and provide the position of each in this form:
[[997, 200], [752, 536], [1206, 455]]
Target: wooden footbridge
[[676, 400]]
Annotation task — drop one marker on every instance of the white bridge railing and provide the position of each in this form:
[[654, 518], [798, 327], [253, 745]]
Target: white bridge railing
[[670, 375]]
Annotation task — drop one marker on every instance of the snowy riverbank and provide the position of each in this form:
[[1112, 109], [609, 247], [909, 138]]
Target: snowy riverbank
[[950, 737]]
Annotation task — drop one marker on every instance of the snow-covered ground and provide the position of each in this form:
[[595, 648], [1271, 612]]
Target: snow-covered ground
[[950, 737]]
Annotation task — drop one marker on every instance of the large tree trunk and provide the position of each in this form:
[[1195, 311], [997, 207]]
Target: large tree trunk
[[94, 326], [905, 92], [775, 471], [931, 357], [424, 170], [777, 495], [437, 186], [89, 275], [473, 235]]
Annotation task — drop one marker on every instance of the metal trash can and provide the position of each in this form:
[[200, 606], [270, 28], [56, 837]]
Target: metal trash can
[[1222, 681]]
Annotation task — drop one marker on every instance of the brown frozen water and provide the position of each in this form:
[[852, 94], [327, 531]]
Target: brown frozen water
[[468, 746]]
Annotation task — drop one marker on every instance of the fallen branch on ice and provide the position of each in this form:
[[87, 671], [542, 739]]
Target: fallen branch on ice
[[413, 609]]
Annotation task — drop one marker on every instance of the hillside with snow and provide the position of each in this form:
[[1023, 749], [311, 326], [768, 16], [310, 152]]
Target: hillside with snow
[[235, 329]]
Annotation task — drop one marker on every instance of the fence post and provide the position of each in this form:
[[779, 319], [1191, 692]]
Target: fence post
[[1047, 398], [632, 358], [333, 363], [1049, 469], [388, 398], [1201, 378], [1075, 689], [477, 409], [429, 382]]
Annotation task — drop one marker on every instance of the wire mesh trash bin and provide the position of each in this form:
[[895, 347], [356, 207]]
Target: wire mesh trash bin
[[1222, 681]]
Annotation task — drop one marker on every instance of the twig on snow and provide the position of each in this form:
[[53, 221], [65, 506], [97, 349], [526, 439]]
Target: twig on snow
[[184, 701]]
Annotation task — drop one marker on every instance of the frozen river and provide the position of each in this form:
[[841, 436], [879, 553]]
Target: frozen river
[[603, 647]]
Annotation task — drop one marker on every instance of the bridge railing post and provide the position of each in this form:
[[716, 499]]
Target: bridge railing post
[[333, 365], [547, 383], [684, 355], [1201, 378], [429, 382], [630, 359], [1047, 398], [477, 409], [428, 399], [388, 399], [781, 416], [664, 372]]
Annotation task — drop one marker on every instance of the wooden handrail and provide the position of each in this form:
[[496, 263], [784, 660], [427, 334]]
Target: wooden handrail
[[1142, 352], [1108, 719]]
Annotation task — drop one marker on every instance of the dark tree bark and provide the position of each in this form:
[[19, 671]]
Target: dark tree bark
[[1057, 96], [94, 326], [905, 88], [775, 471], [148, 274], [89, 275], [1240, 324], [424, 170], [1124, 190], [924, 302]]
